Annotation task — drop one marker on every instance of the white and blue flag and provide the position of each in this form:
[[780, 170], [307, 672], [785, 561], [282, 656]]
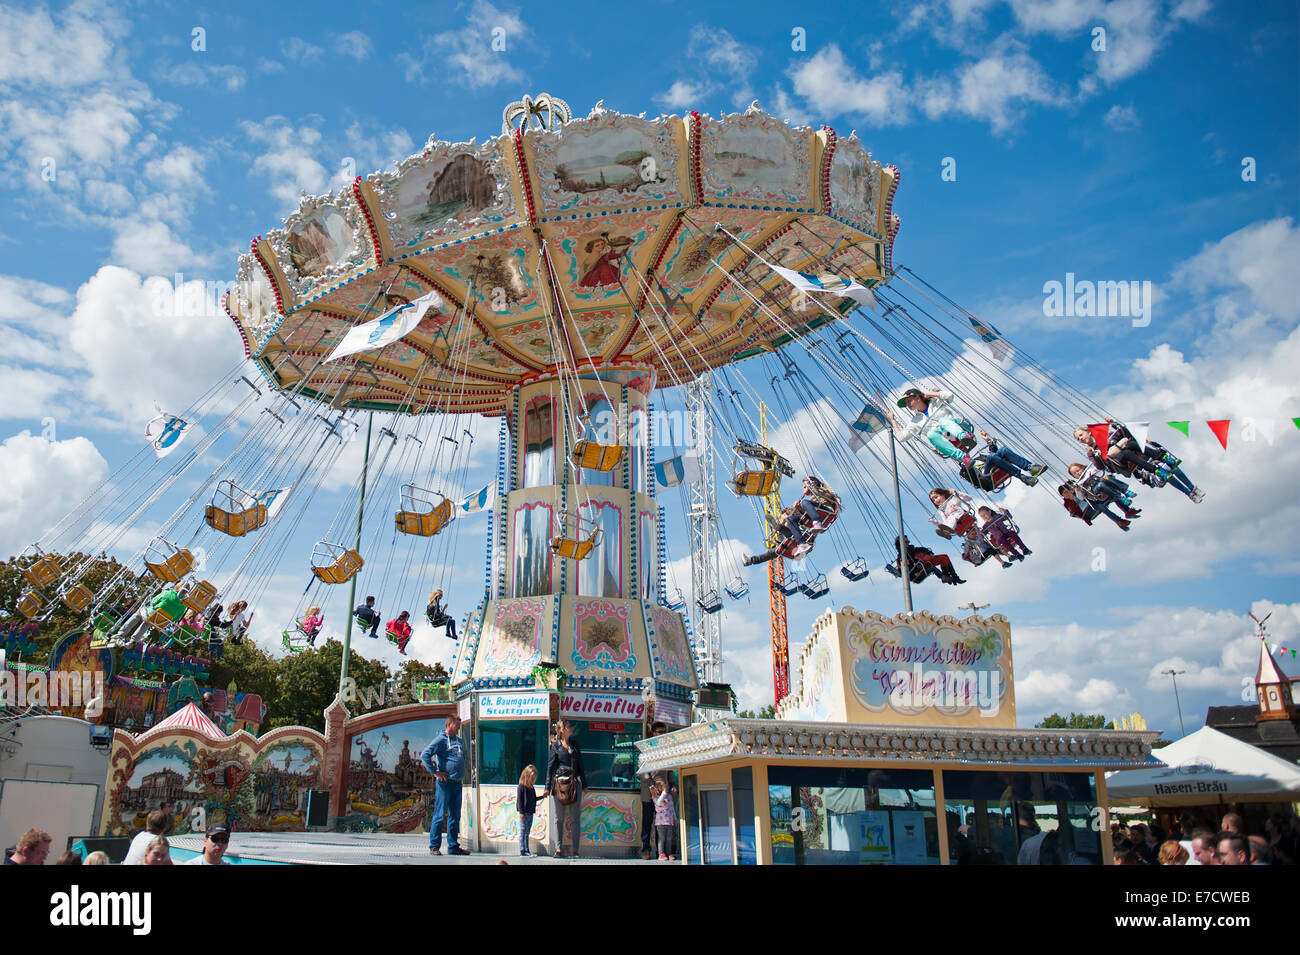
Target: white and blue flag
[[478, 500], [683, 469], [165, 432], [387, 328], [273, 500], [870, 422], [832, 284]]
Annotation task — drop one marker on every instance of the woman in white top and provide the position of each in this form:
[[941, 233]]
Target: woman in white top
[[240, 618], [955, 512]]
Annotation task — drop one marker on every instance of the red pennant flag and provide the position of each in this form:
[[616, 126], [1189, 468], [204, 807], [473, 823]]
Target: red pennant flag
[[1101, 434], [1220, 429]]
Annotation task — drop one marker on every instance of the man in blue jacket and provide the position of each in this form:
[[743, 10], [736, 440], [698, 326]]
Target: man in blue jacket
[[448, 748]]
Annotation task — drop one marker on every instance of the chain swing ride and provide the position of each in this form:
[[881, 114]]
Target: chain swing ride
[[558, 277]]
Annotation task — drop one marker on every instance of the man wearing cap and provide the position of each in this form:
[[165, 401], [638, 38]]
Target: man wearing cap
[[448, 748], [214, 847], [932, 414]]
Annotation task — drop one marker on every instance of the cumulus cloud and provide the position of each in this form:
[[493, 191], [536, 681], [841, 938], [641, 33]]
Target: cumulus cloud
[[43, 481], [467, 56], [287, 159], [354, 44]]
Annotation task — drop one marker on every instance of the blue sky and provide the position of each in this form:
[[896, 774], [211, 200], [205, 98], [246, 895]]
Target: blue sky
[[1123, 163]]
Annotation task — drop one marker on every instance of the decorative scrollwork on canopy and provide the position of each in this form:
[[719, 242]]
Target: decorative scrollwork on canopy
[[547, 112]]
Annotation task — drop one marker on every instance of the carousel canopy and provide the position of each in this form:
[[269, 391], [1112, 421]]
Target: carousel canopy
[[590, 242]]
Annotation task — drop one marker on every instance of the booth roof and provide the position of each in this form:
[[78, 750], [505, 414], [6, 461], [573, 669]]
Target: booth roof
[[1206, 766], [864, 742]]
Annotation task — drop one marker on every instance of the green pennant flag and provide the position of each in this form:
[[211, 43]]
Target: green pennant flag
[[1296, 422], [1182, 426]]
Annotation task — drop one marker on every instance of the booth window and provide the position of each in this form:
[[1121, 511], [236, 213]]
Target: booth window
[[505, 747], [607, 756], [1021, 818], [827, 816], [692, 852]]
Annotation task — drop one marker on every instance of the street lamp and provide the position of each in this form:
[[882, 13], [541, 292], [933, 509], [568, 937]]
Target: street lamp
[[1174, 674]]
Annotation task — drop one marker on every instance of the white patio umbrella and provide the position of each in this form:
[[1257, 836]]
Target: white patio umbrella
[[1207, 767]]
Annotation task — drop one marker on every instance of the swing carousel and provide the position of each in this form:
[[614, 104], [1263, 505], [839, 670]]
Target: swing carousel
[[574, 279]]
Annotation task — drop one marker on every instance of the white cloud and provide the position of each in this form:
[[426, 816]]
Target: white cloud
[[71, 49], [1122, 118], [211, 77], [299, 50], [150, 245], [44, 480], [138, 351], [269, 66], [1259, 259], [180, 170], [996, 89], [831, 86], [682, 94], [354, 44], [287, 160], [466, 56]]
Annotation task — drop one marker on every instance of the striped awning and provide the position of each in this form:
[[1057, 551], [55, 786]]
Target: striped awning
[[190, 717]]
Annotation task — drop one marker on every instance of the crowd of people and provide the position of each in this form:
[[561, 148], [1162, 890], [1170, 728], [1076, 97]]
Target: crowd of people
[[150, 846], [1194, 842]]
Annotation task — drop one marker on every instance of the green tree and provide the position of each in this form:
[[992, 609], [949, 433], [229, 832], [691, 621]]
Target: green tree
[[766, 713], [309, 681], [1075, 721], [252, 670]]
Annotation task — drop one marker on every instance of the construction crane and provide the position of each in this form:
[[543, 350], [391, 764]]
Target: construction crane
[[775, 585]]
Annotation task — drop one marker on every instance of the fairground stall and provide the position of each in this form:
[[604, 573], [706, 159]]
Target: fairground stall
[[898, 746]]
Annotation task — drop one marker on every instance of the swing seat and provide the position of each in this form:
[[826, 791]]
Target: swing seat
[[234, 511], [76, 597], [737, 589], [393, 638], [576, 549], [237, 523], [198, 596], [755, 483], [816, 587], [597, 457], [160, 619], [856, 569], [791, 585], [770, 459], [44, 571], [419, 515], [295, 640], [710, 602], [29, 604], [333, 564], [675, 600], [168, 562]]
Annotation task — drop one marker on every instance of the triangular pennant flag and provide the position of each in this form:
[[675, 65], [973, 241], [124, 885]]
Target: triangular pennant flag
[[478, 500], [1220, 429], [1101, 434], [870, 422], [387, 328], [1296, 422], [1140, 430], [1179, 426]]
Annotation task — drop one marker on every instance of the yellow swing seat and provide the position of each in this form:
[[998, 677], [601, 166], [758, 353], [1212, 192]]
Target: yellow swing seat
[[199, 595], [755, 483], [237, 523], [160, 619], [425, 523], [171, 568], [44, 571], [29, 604], [575, 548], [597, 457], [334, 564], [76, 597]]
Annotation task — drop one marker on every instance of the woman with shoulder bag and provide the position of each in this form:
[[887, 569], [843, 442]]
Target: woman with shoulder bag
[[565, 781]]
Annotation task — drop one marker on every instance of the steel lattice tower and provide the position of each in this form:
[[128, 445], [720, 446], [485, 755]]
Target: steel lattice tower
[[703, 514]]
